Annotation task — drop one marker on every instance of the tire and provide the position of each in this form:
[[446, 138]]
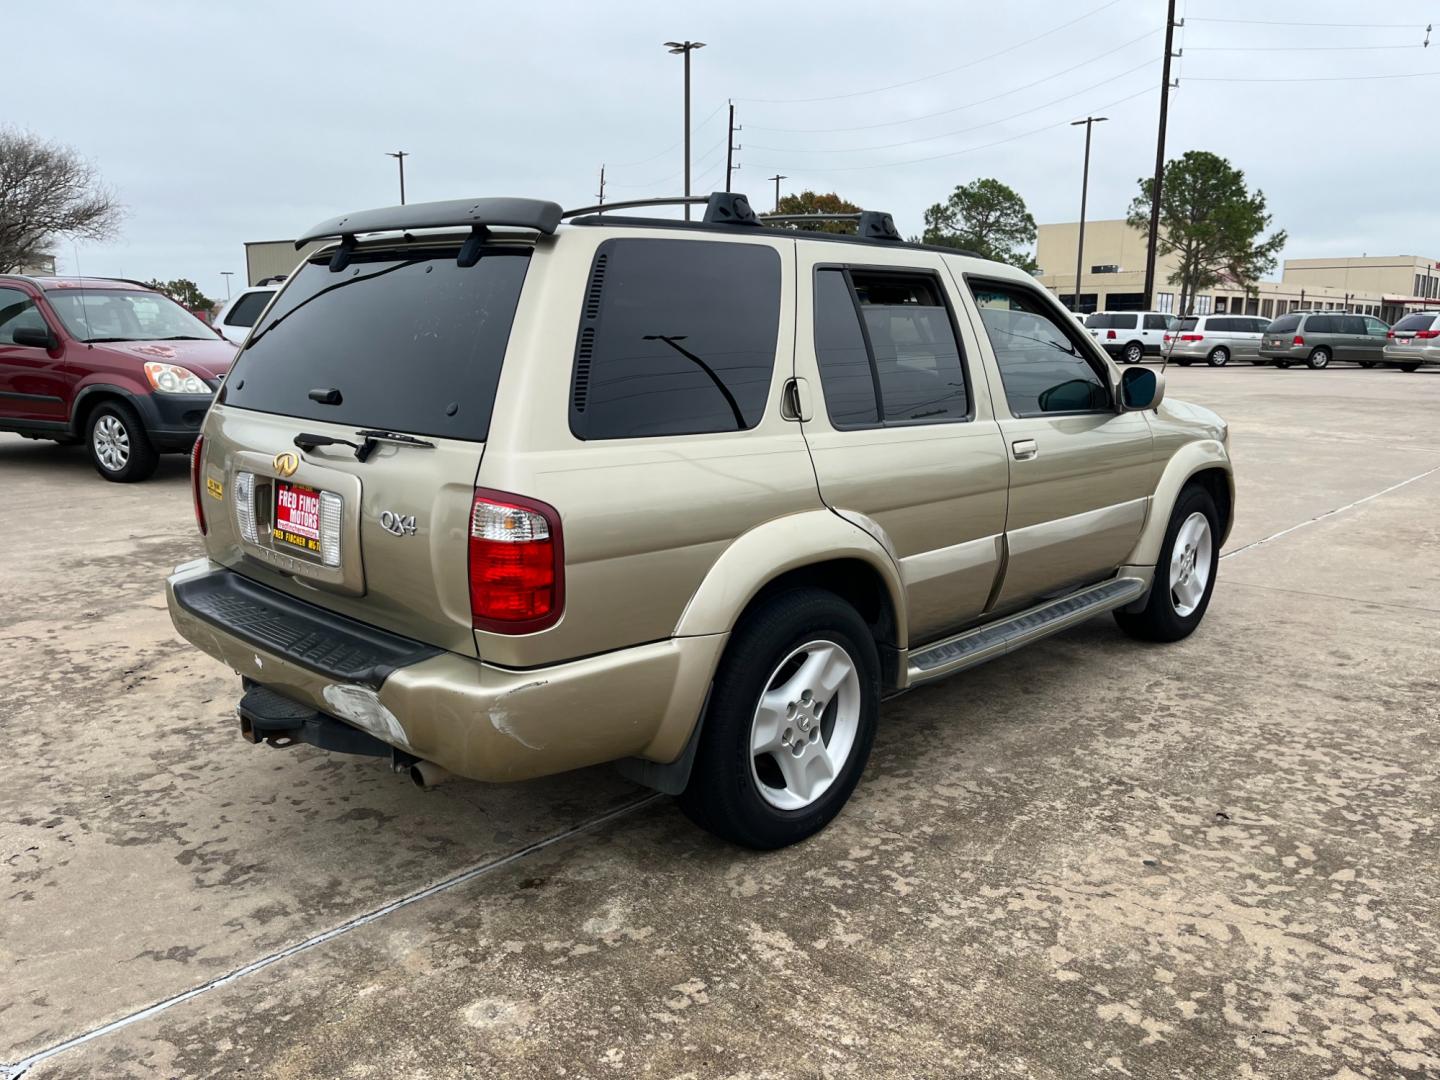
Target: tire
[[1409, 367], [1133, 353], [1178, 600], [744, 796], [119, 447], [1184, 363], [1219, 356], [1367, 363], [1319, 359]]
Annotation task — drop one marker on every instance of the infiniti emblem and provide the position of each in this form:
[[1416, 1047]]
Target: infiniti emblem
[[398, 524], [286, 463]]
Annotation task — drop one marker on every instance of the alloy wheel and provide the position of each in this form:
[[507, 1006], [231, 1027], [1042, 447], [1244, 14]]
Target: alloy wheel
[[112, 443], [1190, 561], [805, 725]]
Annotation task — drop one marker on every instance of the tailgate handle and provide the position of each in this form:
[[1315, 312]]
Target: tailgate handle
[[325, 395]]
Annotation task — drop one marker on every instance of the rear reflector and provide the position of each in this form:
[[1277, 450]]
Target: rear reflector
[[517, 582], [195, 454]]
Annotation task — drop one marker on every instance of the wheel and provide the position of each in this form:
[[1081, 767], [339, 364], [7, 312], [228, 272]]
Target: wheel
[[1134, 353], [1219, 356], [790, 722], [1319, 359], [1184, 575], [118, 444], [1367, 363], [1409, 367]]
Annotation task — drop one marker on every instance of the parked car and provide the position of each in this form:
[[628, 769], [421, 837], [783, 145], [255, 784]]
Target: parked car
[[112, 362], [1130, 336], [527, 496], [1414, 341], [238, 315], [1216, 339], [1317, 338]]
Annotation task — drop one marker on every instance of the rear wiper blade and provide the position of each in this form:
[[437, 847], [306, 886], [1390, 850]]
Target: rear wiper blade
[[378, 435]]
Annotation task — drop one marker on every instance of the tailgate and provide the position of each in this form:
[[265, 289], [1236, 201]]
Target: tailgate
[[383, 541]]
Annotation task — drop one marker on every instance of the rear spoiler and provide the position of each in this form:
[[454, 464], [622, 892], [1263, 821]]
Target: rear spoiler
[[538, 214]]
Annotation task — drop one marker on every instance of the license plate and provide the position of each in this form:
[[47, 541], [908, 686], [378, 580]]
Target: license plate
[[297, 517]]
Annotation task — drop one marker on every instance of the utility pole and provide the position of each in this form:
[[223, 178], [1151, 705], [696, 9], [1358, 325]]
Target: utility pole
[[600, 198], [730, 148], [400, 156], [685, 48], [777, 178], [1170, 25], [1089, 122], [227, 275]]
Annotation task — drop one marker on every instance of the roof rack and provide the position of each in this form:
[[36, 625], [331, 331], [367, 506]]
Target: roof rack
[[721, 207]]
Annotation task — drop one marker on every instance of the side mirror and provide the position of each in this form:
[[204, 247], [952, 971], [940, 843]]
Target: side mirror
[[36, 337], [1141, 389]]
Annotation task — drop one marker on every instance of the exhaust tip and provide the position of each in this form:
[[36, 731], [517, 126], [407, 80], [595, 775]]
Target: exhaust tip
[[426, 775]]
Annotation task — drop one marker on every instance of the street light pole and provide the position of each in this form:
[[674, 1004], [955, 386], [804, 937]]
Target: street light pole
[[777, 178], [685, 48], [400, 156], [1089, 122], [227, 275]]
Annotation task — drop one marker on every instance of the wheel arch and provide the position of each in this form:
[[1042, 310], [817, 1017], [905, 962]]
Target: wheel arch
[[1203, 462], [91, 397]]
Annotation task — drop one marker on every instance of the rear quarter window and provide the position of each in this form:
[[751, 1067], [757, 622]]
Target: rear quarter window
[[677, 337], [247, 309]]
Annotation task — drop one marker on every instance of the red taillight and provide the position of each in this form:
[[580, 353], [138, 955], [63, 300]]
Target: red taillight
[[196, 451], [1427, 333], [1192, 337], [1167, 339], [517, 577], [1389, 333], [1298, 340], [1110, 335]]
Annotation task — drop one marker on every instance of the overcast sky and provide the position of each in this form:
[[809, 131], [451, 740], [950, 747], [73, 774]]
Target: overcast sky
[[235, 120]]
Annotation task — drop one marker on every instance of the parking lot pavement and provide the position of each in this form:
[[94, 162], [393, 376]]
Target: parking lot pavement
[[1217, 858]]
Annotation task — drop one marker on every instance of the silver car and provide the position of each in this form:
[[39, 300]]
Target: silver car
[[1414, 342], [1216, 339]]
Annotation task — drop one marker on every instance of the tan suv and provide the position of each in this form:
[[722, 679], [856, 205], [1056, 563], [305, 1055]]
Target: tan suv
[[495, 495]]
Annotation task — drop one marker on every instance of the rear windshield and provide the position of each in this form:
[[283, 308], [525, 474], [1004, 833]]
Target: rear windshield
[[1102, 321], [1283, 325], [412, 341], [1419, 321], [1188, 324]]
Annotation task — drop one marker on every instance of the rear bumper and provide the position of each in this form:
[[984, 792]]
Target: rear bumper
[[1411, 354], [472, 718]]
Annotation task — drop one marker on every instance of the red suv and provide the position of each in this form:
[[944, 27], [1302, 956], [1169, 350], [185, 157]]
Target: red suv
[[112, 362]]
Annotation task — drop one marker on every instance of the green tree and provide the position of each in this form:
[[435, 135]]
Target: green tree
[[986, 217], [1211, 221], [185, 293], [810, 202]]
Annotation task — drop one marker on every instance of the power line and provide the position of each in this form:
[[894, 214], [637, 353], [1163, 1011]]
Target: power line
[[673, 146], [961, 131], [1314, 78], [968, 150], [967, 105], [938, 74], [1288, 22], [1297, 48]]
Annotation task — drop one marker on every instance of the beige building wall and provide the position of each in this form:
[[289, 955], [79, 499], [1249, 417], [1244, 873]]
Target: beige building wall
[[273, 258], [1382, 286]]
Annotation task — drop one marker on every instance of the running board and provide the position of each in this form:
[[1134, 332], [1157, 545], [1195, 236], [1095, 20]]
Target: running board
[[998, 638]]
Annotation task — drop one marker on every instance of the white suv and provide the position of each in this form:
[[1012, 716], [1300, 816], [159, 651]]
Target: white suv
[[235, 319], [1130, 336]]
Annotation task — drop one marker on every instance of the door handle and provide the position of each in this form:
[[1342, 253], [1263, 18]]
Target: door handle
[[1024, 449]]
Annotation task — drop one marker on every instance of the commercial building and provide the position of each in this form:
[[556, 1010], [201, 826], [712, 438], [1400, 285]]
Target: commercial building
[[273, 258], [1113, 279]]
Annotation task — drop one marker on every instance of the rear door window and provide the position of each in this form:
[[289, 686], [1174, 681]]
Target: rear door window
[[677, 337], [1157, 322], [1110, 321], [1186, 325], [412, 341]]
